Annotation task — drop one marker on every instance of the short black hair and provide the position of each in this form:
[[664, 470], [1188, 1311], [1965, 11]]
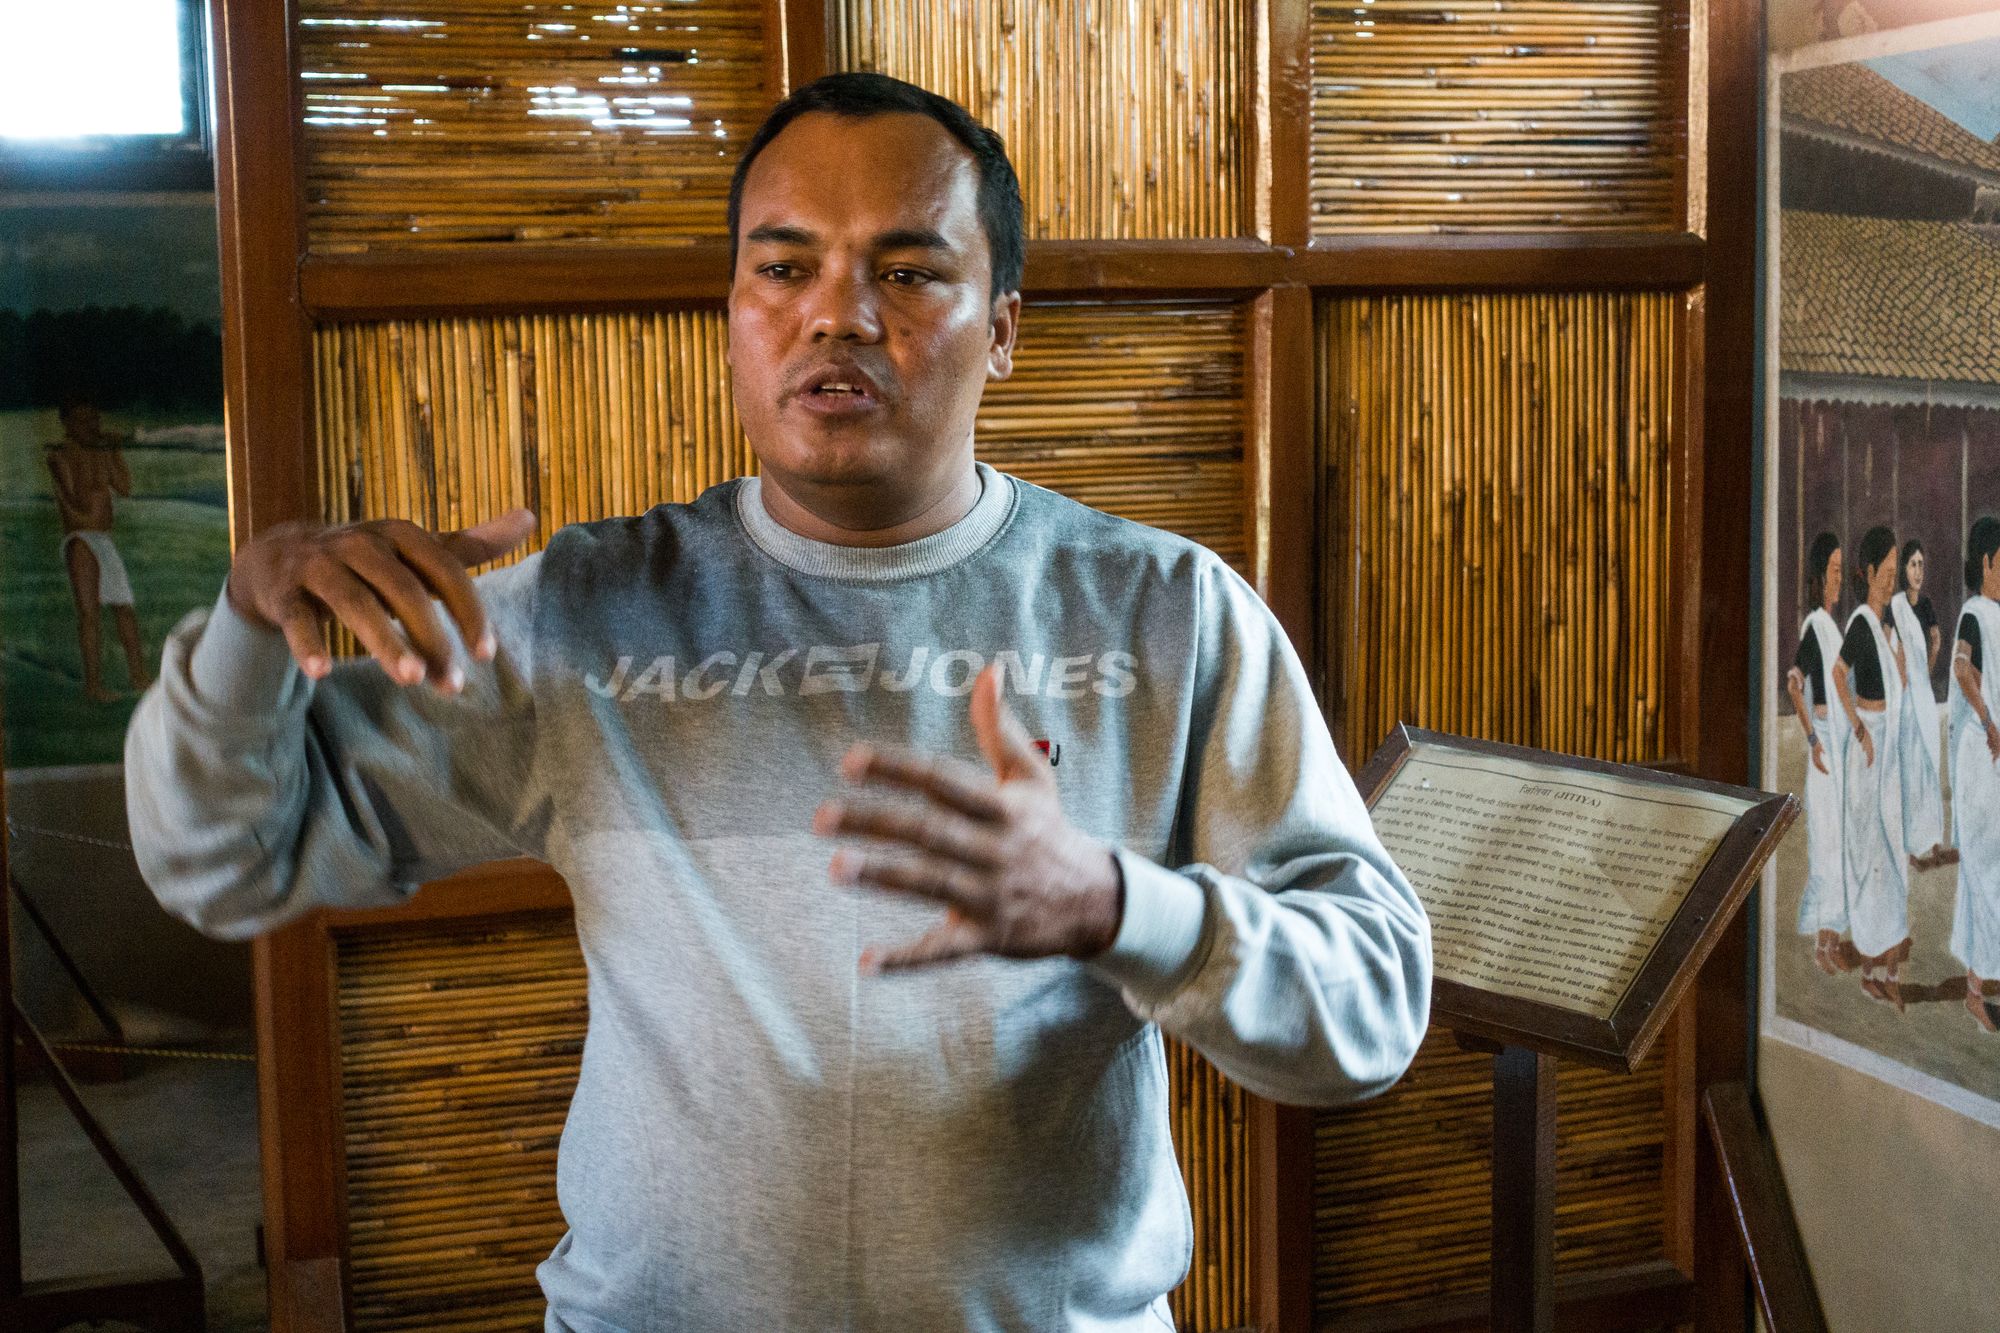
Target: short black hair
[[859, 95], [1980, 543], [1823, 548], [1877, 545]]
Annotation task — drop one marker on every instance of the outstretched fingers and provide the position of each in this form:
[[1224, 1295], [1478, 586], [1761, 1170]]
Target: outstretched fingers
[[955, 783], [944, 832], [953, 938], [917, 874]]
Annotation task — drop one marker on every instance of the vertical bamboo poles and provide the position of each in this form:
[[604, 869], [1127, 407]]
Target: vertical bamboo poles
[[1121, 117], [452, 121], [1210, 1117], [579, 416], [1506, 459], [1134, 408], [1492, 115]]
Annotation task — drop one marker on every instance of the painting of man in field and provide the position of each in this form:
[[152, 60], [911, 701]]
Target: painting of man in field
[[88, 469]]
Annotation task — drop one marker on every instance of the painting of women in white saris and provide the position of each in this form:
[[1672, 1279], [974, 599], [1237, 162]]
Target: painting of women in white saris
[[1882, 582]]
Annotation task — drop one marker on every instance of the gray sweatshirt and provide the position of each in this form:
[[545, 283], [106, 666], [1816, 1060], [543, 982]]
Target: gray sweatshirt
[[763, 1138]]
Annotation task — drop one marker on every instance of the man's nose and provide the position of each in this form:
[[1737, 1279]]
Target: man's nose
[[843, 308]]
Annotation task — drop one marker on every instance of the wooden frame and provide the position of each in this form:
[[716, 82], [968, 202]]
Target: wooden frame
[[1623, 1040], [274, 291]]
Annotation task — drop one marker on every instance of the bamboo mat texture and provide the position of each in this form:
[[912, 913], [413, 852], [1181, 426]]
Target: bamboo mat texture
[[1402, 1185], [459, 1051], [441, 122], [459, 1048], [1136, 408], [1494, 115], [1507, 501], [1122, 117]]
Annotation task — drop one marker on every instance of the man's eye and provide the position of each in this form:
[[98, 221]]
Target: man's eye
[[781, 271], [907, 277]]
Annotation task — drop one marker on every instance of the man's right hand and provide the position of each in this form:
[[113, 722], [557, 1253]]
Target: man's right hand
[[378, 579]]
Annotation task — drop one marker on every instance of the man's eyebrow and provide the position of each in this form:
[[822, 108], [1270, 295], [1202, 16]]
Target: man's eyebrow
[[912, 238], [781, 235]]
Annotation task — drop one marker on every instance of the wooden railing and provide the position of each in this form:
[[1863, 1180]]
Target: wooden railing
[[1769, 1233]]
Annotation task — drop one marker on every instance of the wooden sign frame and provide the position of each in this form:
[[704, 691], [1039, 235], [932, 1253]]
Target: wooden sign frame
[[1621, 1041]]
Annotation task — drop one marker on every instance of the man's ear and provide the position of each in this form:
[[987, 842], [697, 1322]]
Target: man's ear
[[1006, 323]]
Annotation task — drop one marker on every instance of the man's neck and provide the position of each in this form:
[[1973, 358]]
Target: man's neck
[[939, 513]]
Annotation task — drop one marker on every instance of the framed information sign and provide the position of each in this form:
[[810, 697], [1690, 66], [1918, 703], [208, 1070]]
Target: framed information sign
[[1571, 901]]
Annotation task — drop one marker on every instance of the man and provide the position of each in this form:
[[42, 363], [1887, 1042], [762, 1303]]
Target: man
[[679, 711], [88, 470]]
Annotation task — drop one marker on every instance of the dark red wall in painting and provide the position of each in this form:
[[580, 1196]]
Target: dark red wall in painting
[[1926, 472]]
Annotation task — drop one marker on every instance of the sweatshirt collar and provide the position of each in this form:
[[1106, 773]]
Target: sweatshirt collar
[[925, 555]]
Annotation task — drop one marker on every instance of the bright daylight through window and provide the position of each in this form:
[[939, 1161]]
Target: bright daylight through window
[[106, 67]]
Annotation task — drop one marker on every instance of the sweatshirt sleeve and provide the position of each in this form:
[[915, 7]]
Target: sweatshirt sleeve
[[1289, 950], [255, 794]]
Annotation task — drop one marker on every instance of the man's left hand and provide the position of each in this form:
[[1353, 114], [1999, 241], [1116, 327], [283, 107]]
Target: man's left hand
[[1015, 876]]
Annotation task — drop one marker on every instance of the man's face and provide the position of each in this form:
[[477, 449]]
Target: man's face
[[81, 422], [862, 328], [1882, 578]]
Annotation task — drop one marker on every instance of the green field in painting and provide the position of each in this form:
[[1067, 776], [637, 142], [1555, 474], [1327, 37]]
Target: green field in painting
[[174, 536]]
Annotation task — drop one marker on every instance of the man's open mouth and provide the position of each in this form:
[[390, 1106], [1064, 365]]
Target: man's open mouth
[[839, 389]]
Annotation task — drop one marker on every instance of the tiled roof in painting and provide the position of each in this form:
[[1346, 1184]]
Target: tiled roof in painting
[[1857, 100], [1889, 298]]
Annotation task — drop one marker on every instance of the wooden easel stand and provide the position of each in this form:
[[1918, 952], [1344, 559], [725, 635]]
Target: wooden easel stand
[[1524, 1191]]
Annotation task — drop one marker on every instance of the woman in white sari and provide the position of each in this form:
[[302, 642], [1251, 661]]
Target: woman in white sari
[[1975, 771], [1823, 907], [1869, 678], [1919, 743]]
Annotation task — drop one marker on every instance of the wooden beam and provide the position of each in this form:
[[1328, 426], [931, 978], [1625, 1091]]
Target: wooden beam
[[491, 279], [266, 342], [1640, 261], [1281, 1219], [1646, 1296], [1726, 73], [500, 888], [1283, 468], [479, 280], [803, 24]]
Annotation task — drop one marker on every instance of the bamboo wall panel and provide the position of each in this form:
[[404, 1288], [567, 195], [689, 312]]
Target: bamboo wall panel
[[1133, 408], [1124, 118], [1211, 1119], [441, 122], [447, 422], [1494, 115], [1506, 494], [1136, 408], [459, 1049], [1402, 1186]]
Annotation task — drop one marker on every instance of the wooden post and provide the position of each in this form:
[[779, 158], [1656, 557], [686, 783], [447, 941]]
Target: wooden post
[[1524, 1191]]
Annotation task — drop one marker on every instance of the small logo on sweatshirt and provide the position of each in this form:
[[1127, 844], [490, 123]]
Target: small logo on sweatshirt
[[1053, 749]]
